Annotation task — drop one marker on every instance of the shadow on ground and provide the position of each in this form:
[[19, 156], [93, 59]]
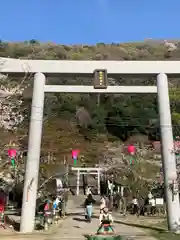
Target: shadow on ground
[[160, 230], [79, 219], [11, 222], [75, 214]]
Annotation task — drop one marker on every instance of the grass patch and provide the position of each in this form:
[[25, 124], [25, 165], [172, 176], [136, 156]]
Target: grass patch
[[160, 232]]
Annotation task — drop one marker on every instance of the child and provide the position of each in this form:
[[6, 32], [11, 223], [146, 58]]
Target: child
[[105, 217], [105, 220], [135, 205], [152, 202]]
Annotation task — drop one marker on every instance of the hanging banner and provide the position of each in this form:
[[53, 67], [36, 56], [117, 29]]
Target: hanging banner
[[131, 149], [12, 153], [75, 154]]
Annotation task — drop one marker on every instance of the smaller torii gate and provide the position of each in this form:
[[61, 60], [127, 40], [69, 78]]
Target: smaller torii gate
[[87, 170]]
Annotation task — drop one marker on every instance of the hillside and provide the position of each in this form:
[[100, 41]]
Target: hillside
[[88, 122]]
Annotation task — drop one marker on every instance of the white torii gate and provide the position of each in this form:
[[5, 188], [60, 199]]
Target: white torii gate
[[43, 68], [85, 171]]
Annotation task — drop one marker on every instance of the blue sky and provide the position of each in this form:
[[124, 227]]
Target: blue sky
[[89, 21]]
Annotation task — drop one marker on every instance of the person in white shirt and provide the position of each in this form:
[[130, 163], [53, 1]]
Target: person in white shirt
[[105, 216], [88, 191], [152, 202], [110, 187], [135, 201], [105, 222], [135, 205], [150, 196], [59, 184], [102, 204]]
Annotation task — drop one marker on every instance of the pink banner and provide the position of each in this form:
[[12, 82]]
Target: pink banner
[[75, 154], [12, 153], [131, 149]]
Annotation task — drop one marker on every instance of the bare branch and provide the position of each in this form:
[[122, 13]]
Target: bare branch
[[10, 99]]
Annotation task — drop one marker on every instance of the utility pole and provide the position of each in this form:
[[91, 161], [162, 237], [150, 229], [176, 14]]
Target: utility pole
[[168, 155]]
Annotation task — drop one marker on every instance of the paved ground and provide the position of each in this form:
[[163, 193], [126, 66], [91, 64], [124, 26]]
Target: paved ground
[[75, 227]]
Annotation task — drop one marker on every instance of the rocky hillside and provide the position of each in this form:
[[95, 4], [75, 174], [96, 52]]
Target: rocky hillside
[[92, 123]]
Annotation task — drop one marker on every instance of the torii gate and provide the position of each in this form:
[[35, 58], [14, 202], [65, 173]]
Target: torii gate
[[45, 68], [84, 171]]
